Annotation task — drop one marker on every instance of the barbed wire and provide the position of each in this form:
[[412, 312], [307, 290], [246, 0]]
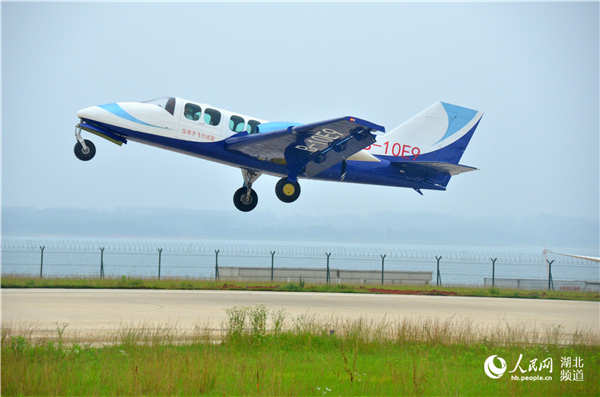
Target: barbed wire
[[262, 249], [506, 259], [197, 259]]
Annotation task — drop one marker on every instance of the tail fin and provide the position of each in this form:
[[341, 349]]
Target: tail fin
[[439, 133]]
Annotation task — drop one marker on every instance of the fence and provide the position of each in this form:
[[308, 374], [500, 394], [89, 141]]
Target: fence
[[325, 275], [561, 285], [164, 259]]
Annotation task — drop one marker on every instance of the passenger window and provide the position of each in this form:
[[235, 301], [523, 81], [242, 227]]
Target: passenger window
[[212, 116], [236, 124], [192, 112], [252, 126]]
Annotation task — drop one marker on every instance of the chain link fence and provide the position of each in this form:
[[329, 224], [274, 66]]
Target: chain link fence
[[172, 259]]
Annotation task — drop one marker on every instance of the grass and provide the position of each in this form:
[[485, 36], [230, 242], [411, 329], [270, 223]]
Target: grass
[[268, 353], [13, 281]]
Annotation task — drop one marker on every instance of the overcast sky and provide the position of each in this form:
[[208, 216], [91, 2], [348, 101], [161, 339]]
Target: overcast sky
[[532, 68]]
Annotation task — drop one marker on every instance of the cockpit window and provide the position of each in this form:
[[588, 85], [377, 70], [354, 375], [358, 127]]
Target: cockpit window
[[252, 127], [212, 116], [170, 106], [167, 103], [236, 124], [192, 112]]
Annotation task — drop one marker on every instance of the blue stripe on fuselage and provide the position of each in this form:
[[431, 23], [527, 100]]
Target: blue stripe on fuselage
[[117, 110], [214, 150], [375, 173]]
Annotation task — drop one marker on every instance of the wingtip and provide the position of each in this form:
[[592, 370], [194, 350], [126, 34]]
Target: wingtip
[[365, 123]]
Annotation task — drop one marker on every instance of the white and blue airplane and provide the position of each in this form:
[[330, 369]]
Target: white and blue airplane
[[421, 153]]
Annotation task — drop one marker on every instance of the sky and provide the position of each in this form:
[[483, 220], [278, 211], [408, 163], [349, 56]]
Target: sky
[[531, 68]]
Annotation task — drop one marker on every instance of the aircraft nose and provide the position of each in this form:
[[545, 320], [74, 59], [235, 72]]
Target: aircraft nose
[[91, 113]]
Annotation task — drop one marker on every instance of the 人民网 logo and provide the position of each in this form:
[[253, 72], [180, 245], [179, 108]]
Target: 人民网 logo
[[490, 368]]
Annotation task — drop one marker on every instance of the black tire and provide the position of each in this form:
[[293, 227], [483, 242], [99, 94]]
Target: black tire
[[287, 191], [85, 156], [239, 199]]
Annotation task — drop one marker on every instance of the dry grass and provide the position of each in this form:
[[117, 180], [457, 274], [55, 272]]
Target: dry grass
[[262, 352], [258, 321]]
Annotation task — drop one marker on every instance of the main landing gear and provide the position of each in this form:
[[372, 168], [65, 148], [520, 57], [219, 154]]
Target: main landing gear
[[245, 198], [84, 149], [287, 190]]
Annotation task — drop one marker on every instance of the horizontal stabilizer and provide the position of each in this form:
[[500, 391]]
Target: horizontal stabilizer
[[438, 166], [435, 172]]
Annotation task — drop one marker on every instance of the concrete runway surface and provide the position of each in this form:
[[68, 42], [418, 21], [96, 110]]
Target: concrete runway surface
[[89, 311]]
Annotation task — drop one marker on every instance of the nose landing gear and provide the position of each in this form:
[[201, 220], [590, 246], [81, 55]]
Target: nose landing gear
[[84, 149], [85, 153]]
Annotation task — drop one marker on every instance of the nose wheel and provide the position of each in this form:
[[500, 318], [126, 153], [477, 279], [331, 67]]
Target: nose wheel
[[287, 190], [85, 151]]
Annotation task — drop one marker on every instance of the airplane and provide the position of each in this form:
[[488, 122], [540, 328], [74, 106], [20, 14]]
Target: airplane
[[546, 251], [421, 153]]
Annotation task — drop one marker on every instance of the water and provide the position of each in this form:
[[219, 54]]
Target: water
[[196, 258]]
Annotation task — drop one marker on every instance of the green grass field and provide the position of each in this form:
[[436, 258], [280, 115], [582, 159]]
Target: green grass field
[[266, 353], [191, 284]]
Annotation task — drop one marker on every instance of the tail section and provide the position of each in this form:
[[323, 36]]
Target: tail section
[[439, 133]]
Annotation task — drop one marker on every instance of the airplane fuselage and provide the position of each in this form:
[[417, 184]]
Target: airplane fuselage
[[207, 132]]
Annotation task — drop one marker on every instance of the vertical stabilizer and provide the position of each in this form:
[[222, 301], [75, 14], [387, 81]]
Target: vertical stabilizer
[[439, 133]]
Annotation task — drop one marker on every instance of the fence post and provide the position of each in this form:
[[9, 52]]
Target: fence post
[[42, 248], [272, 263], [382, 263], [550, 281], [493, 271], [217, 264], [328, 278], [159, 260], [438, 277], [102, 263]]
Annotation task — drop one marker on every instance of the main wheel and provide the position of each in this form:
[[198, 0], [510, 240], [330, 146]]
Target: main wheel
[[244, 203], [87, 153], [287, 191]]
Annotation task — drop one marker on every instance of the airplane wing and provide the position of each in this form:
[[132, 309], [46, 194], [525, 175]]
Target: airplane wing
[[589, 258], [311, 148]]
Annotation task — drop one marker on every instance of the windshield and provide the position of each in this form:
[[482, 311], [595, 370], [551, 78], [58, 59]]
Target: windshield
[[167, 103]]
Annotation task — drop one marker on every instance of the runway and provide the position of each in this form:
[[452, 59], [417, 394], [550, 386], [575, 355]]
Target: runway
[[95, 310]]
